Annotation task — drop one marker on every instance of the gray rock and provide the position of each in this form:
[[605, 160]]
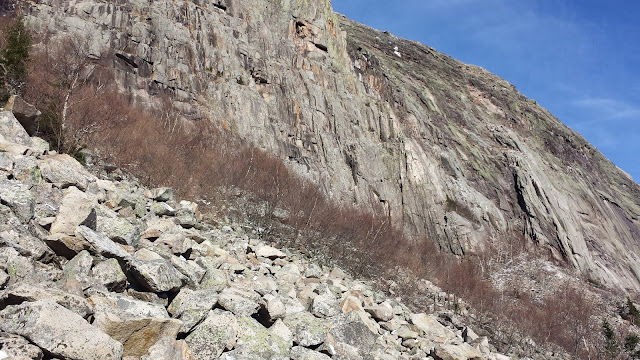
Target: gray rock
[[162, 194], [77, 208], [457, 352], [185, 218], [270, 252], [25, 169], [255, 340], [240, 302], [192, 271], [169, 349], [100, 244], [24, 112], [382, 312], [79, 267], [307, 329], [219, 331], [349, 336], [192, 306], [123, 305], [18, 197], [136, 334], [431, 328], [118, 229], [325, 305], [59, 331], [109, 273], [65, 245], [18, 348], [162, 209], [4, 279], [313, 271], [20, 293], [302, 353], [155, 275], [176, 244], [64, 171], [12, 131]]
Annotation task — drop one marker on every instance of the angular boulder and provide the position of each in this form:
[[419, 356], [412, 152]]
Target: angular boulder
[[59, 331], [77, 208], [64, 171], [219, 331]]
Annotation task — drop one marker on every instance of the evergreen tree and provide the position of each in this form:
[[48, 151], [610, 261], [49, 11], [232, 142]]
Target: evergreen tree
[[15, 55]]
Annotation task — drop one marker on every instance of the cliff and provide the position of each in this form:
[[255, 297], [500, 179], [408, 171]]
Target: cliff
[[450, 151]]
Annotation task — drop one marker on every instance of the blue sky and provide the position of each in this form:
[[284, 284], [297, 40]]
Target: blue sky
[[580, 59]]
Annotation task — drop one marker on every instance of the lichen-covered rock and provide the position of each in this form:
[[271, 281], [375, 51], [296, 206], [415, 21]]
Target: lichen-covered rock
[[219, 331], [155, 275], [254, 339], [59, 331], [18, 348], [307, 329], [118, 229], [18, 197], [349, 336], [64, 171], [191, 306], [79, 267], [121, 304], [20, 293], [109, 273], [12, 131], [240, 302], [100, 244], [302, 353]]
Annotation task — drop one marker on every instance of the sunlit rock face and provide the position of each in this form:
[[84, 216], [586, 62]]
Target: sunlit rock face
[[448, 150]]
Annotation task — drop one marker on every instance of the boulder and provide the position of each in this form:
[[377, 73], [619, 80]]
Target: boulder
[[77, 208], [101, 245], [432, 329], [239, 301], [162, 194], [255, 340], [270, 252], [64, 171], [19, 198], [162, 209], [136, 334], [155, 275], [349, 336], [12, 131], [307, 329], [302, 353], [65, 245], [192, 306], [24, 112], [382, 312], [325, 305], [168, 348], [118, 229], [457, 352], [18, 348], [219, 331], [109, 274], [126, 305], [21, 293], [59, 331], [79, 267]]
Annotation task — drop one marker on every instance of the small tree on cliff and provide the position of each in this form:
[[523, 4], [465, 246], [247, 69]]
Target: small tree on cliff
[[14, 56]]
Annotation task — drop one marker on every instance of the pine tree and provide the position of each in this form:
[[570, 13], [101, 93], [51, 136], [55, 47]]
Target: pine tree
[[15, 55]]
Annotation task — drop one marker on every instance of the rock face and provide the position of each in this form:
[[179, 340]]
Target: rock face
[[111, 301], [450, 151]]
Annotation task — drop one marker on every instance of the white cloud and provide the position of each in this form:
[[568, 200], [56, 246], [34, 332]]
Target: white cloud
[[610, 108]]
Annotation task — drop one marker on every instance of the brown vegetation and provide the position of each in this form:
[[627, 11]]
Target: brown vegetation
[[82, 107]]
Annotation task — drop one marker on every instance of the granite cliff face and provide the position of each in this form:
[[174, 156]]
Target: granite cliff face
[[450, 151]]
